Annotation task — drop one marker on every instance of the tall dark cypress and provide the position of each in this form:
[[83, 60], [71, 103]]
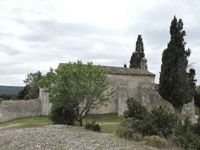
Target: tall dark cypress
[[138, 54], [174, 80]]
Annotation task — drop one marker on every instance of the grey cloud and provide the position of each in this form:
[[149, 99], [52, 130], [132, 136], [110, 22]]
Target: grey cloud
[[45, 30], [9, 50]]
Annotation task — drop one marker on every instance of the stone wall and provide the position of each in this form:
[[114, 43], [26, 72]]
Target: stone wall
[[126, 86], [17, 109], [150, 98], [44, 98]]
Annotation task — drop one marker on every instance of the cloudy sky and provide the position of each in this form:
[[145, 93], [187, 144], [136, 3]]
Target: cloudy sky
[[39, 34]]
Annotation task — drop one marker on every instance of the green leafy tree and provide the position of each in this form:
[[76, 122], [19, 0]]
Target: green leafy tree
[[197, 97], [138, 54], [78, 86], [191, 84], [48, 79], [174, 79], [33, 78], [31, 90]]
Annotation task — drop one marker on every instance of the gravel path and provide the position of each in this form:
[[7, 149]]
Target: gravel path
[[59, 137]]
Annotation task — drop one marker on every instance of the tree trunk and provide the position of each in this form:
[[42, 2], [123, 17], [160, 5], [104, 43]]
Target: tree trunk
[[178, 113], [80, 122]]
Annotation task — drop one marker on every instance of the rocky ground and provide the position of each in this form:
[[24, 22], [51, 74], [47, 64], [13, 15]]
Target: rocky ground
[[59, 137]]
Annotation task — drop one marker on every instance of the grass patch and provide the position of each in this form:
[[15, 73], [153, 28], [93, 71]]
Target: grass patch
[[28, 122], [109, 128], [111, 117], [109, 123]]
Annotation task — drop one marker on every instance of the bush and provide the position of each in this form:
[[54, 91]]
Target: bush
[[92, 126], [135, 109], [187, 134], [188, 140], [157, 122], [155, 141], [129, 134], [127, 123], [63, 115], [163, 121]]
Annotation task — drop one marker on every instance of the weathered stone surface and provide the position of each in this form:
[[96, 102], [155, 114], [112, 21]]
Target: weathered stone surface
[[126, 83], [124, 86], [188, 110], [17, 109], [59, 137], [150, 98], [44, 98]]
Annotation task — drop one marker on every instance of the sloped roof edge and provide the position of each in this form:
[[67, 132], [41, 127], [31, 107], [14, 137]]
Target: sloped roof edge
[[123, 71]]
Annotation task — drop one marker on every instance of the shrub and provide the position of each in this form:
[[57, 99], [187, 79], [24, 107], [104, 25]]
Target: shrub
[[127, 123], [155, 141], [187, 134], [135, 109], [129, 134], [63, 115], [137, 137], [138, 120], [163, 121], [157, 122], [188, 140], [92, 126]]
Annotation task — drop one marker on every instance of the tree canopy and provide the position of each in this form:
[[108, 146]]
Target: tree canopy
[[138, 54], [77, 85], [175, 81]]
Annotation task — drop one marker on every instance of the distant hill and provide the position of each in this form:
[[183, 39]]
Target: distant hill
[[10, 90]]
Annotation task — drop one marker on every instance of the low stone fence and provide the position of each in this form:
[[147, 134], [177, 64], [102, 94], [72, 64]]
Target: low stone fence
[[21, 108]]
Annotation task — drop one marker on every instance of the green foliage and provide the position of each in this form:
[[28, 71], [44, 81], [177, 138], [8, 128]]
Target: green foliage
[[196, 127], [198, 89], [129, 134], [79, 86], [48, 79], [138, 54], [163, 121], [187, 135], [29, 92], [197, 97], [33, 78], [188, 141], [155, 141], [191, 87], [128, 123], [135, 109], [148, 123], [92, 126], [174, 80], [63, 115], [7, 97], [154, 124]]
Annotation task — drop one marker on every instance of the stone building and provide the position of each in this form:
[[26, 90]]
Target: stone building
[[125, 83]]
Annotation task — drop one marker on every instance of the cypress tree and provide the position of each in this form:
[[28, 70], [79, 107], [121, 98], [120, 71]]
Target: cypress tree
[[138, 54], [174, 80], [191, 84]]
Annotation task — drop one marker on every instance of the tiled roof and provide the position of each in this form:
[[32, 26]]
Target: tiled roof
[[126, 71], [123, 71]]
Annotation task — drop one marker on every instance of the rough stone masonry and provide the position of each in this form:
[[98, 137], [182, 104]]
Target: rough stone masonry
[[126, 82]]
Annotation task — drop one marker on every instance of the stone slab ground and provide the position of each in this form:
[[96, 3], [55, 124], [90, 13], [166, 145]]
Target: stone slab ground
[[59, 137]]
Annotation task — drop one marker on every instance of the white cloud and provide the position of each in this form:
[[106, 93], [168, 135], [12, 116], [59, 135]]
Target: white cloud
[[36, 35]]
